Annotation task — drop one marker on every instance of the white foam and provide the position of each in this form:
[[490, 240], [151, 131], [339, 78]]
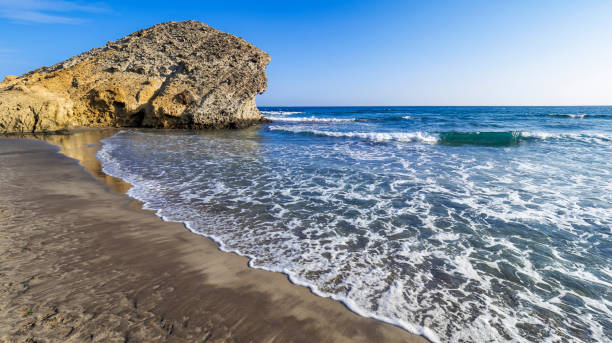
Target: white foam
[[312, 119], [285, 210], [570, 115], [281, 113], [446, 236], [589, 137], [372, 136], [424, 137]]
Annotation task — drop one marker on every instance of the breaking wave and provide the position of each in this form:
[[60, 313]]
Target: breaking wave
[[312, 119], [280, 113], [453, 138], [580, 115], [371, 136], [464, 224], [453, 244]]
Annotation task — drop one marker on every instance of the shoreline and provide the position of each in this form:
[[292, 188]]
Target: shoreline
[[234, 301]]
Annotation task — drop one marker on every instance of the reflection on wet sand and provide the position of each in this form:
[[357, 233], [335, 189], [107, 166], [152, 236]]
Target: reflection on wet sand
[[85, 265], [83, 145]]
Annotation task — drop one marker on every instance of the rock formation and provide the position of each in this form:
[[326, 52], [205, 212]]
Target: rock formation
[[172, 75]]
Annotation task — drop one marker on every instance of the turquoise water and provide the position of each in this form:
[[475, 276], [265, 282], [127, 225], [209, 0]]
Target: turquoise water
[[458, 223]]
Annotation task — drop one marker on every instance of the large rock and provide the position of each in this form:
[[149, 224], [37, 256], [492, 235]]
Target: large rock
[[172, 75]]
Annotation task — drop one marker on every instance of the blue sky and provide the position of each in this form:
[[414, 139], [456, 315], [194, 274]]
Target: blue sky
[[360, 52]]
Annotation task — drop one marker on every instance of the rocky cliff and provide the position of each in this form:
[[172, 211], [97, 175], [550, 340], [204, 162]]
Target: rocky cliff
[[172, 75]]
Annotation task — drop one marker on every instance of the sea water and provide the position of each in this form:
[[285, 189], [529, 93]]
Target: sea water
[[458, 223]]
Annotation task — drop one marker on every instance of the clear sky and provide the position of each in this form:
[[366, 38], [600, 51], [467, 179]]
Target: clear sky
[[360, 52]]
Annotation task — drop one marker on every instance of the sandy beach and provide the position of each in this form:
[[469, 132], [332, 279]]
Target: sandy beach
[[81, 261], [319, 171]]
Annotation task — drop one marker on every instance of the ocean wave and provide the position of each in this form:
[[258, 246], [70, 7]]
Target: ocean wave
[[581, 115], [478, 138], [372, 136], [568, 115], [281, 113], [381, 119], [342, 233], [511, 138], [502, 138], [312, 119], [591, 137]]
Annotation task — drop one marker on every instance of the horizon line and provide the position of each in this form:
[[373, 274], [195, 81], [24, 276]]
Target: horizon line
[[434, 105]]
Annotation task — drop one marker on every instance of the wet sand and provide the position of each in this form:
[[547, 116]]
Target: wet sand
[[81, 261]]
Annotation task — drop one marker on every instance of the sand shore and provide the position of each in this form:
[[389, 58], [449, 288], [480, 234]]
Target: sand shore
[[80, 261]]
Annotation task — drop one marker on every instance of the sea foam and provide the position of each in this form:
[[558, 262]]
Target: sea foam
[[459, 242], [282, 113], [490, 138], [372, 136], [311, 119]]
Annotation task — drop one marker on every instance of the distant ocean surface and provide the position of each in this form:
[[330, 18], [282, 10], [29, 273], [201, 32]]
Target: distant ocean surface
[[486, 224]]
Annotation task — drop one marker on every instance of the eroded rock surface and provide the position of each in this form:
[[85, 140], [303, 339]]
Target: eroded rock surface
[[172, 75]]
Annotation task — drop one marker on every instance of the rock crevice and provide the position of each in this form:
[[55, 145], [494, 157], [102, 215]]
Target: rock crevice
[[172, 75]]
